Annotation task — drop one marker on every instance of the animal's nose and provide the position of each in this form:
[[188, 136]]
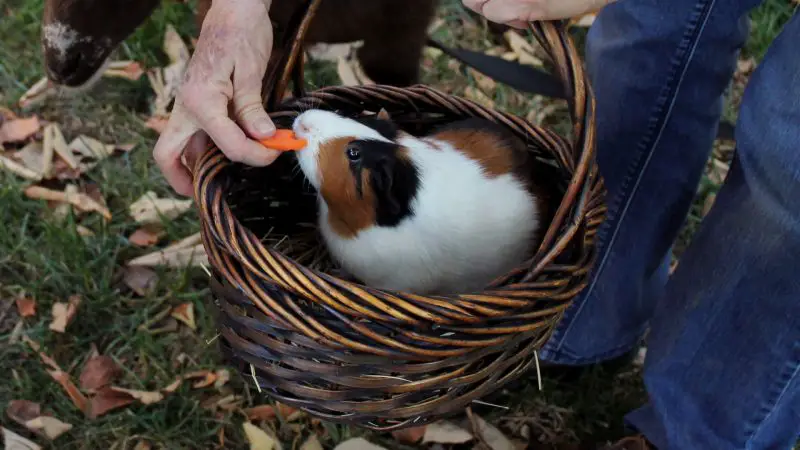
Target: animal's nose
[[302, 127], [65, 68]]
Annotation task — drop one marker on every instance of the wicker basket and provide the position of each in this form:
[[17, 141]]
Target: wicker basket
[[382, 360]]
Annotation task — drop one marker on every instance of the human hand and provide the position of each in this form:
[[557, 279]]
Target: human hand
[[220, 96], [517, 13]]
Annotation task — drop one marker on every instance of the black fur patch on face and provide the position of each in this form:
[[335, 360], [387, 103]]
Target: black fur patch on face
[[393, 177], [385, 128]]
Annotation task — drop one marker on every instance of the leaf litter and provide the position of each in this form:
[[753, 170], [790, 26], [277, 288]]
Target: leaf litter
[[98, 372], [149, 208], [185, 314], [26, 306], [13, 441], [64, 313], [17, 130]]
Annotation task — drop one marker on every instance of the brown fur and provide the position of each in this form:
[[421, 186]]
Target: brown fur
[[482, 147], [507, 157], [348, 213], [394, 31]]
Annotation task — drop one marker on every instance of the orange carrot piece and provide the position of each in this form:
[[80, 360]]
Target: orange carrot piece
[[284, 140]]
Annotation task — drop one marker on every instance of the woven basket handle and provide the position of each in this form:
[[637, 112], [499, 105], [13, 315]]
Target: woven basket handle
[[287, 60]]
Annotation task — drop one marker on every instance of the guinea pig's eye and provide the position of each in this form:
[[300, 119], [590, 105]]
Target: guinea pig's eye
[[353, 153]]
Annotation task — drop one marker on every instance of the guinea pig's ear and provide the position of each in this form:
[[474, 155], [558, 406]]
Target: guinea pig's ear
[[383, 114]]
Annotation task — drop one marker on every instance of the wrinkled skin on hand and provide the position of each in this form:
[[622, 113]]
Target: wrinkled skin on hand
[[517, 13], [220, 97]]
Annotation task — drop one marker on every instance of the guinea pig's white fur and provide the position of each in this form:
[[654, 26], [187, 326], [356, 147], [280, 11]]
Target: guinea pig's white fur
[[465, 228]]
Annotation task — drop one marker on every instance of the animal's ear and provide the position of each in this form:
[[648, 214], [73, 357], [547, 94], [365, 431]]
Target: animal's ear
[[382, 180], [383, 114]]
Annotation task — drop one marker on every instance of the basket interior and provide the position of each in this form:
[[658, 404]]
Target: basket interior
[[279, 206]]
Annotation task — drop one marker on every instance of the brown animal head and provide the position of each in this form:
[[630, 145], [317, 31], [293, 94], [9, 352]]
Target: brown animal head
[[78, 35]]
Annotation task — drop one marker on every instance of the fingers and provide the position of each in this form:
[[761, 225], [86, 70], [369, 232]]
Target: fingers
[[247, 100], [211, 109], [168, 150], [504, 11], [194, 149], [474, 5]]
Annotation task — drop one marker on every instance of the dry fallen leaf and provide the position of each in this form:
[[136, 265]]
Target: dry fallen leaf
[[37, 93], [409, 435], [83, 231], [7, 114], [478, 96], [185, 313], [485, 83], [17, 130], [130, 70], [358, 444], [524, 51], [144, 445], [19, 169], [54, 140], [49, 426], [165, 82], [331, 52], [173, 257], [350, 70], [258, 438], [140, 280], [172, 387], [13, 441], [91, 148], [149, 208], [21, 411], [492, 436], [47, 360], [107, 400], [98, 372], [312, 443], [78, 399], [207, 378], [26, 306], [268, 412], [147, 236], [223, 376], [80, 201], [444, 432], [144, 397], [64, 313]]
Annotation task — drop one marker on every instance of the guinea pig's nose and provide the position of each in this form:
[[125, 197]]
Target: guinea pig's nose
[[302, 127]]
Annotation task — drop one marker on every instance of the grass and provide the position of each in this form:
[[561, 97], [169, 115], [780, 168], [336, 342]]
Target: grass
[[50, 262]]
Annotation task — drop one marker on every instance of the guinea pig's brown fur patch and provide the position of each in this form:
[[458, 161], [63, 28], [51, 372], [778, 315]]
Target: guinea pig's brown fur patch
[[501, 153], [348, 213], [494, 155]]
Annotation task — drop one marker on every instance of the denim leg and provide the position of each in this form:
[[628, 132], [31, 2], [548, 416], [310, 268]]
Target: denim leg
[[659, 69], [723, 362]]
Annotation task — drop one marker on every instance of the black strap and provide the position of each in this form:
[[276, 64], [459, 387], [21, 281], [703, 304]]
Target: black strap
[[526, 78]]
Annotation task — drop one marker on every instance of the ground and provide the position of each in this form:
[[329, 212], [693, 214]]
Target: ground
[[49, 262]]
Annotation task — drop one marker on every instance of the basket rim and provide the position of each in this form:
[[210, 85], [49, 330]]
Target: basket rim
[[577, 157]]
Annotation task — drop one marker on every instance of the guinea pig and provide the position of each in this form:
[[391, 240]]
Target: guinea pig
[[441, 214]]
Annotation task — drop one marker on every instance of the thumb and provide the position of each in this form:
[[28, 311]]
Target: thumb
[[249, 110]]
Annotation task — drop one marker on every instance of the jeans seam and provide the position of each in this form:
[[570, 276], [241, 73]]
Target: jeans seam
[[608, 354], [792, 369], [681, 61]]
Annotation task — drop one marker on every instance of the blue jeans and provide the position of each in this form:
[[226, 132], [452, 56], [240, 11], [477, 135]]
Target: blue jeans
[[723, 362]]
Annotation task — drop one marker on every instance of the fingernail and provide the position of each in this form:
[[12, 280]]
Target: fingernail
[[264, 126]]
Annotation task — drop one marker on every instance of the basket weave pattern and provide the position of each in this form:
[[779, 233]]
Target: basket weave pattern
[[387, 360]]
